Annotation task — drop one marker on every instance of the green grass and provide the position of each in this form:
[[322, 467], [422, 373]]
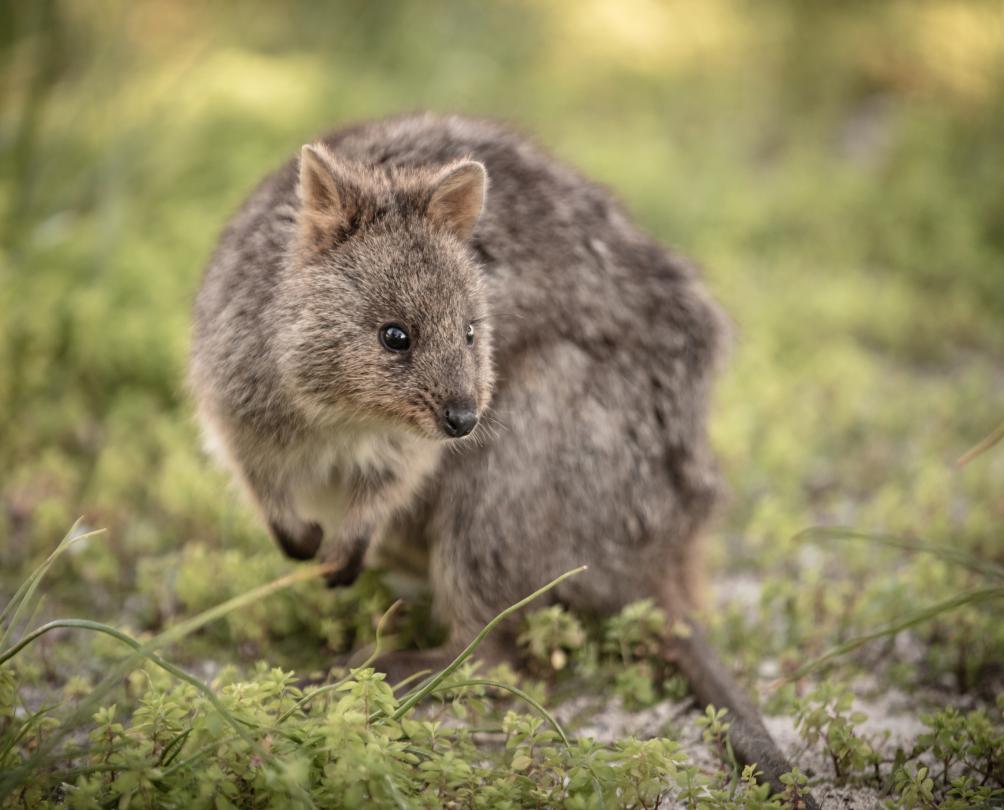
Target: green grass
[[836, 170]]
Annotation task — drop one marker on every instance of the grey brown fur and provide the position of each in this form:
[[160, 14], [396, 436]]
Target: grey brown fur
[[590, 372]]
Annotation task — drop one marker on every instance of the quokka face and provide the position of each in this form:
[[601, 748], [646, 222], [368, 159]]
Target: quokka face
[[385, 316]]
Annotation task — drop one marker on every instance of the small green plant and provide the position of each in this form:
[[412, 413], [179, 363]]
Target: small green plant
[[550, 636], [634, 643], [915, 788], [827, 717], [968, 748], [795, 784], [715, 729], [637, 685], [637, 632]]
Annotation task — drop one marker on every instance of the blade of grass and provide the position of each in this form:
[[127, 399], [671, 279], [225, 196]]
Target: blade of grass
[[908, 621], [981, 446], [25, 728], [430, 685], [194, 758], [173, 748], [189, 626], [518, 693], [19, 594], [23, 596], [415, 676], [954, 555]]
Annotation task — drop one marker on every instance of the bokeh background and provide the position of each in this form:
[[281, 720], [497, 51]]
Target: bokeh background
[[836, 168]]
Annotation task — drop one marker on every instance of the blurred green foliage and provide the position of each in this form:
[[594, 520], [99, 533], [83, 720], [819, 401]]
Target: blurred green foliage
[[836, 168]]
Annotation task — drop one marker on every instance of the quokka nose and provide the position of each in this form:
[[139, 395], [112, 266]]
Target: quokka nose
[[459, 418]]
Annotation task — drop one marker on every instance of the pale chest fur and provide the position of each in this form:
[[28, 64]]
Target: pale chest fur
[[349, 479]]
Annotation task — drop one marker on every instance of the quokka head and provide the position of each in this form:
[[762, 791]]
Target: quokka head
[[384, 313]]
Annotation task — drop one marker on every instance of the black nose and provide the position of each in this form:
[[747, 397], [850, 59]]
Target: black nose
[[459, 418]]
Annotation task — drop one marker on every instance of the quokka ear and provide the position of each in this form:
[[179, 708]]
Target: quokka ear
[[458, 197], [326, 200]]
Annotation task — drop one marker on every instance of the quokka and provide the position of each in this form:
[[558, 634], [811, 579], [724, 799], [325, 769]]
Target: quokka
[[429, 331]]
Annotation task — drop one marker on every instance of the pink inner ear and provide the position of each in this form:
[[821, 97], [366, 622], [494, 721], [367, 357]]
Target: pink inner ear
[[324, 210], [327, 201], [458, 199], [318, 187]]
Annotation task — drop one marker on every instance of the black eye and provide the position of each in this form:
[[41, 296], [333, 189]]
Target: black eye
[[394, 338], [470, 334]]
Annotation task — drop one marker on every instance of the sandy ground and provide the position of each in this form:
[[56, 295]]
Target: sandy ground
[[893, 719], [891, 723]]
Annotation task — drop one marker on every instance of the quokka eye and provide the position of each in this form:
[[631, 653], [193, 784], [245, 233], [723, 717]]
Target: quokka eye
[[394, 338], [470, 334]]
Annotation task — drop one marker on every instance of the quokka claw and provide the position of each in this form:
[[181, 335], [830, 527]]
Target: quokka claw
[[349, 572]]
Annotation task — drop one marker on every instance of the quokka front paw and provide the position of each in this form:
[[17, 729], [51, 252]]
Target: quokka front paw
[[301, 543], [350, 559]]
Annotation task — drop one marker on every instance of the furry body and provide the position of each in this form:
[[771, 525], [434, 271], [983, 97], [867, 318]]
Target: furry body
[[590, 372]]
